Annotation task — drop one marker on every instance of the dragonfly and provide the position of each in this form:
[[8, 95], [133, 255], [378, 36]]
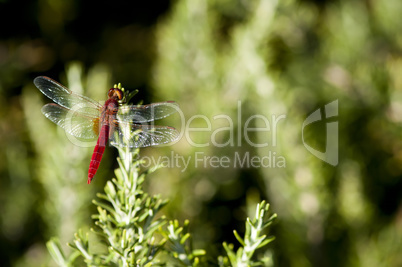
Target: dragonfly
[[121, 124]]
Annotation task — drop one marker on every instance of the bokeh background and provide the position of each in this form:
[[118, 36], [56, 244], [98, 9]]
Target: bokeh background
[[274, 56]]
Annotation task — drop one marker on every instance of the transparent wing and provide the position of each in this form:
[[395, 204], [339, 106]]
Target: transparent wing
[[137, 135], [63, 96], [80, 123], [147, 113]]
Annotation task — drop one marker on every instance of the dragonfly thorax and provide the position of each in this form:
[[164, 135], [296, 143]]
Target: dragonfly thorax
[[115, 93]]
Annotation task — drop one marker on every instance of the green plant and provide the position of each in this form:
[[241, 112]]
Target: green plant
[[253, 240], [127, 222]]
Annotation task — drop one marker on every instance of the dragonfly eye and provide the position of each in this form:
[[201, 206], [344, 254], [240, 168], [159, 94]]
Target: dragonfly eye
[[115, 93]]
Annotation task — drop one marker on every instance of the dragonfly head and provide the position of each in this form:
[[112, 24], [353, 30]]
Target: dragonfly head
[[115, 93]]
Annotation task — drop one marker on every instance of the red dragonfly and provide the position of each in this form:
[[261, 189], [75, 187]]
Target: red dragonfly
[[86, 119]]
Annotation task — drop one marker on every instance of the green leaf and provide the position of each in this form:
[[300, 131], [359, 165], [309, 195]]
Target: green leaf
[[266, 241], [199, 252], [238, 238], [184, 238], [230, 253], [131, 95], [56, 252]]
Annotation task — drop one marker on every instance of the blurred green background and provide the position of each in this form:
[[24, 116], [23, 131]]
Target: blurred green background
[[286, 57]]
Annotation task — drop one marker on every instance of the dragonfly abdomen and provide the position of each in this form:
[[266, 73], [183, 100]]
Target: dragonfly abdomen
[[98, 152]]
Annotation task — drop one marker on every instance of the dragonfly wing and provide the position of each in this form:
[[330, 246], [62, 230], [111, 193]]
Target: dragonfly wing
[[143, 135], [81, 123], [64, 96], [147, 113]]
